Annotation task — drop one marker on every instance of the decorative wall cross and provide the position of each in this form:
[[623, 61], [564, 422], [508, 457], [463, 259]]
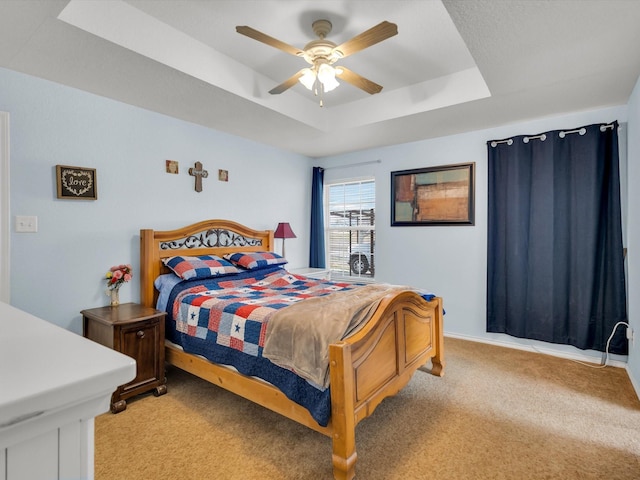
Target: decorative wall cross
[[198, 172]]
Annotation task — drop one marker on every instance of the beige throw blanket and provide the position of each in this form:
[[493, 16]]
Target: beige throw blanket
[[298, 336]]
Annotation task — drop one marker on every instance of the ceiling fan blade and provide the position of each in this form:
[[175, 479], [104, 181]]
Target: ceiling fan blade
[[264, 38], [374, 35], [287, 84], [357, 80]]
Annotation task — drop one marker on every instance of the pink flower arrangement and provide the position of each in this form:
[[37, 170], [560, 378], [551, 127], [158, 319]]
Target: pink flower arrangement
[[117, 275]]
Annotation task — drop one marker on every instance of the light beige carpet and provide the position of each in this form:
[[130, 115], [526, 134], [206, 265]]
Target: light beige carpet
[[497, 413]]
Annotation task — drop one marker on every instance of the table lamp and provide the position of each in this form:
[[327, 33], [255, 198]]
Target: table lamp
[[284, 231]]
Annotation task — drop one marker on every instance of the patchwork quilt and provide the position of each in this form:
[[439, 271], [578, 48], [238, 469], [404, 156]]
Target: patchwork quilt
[[235, 314], [225, 319]]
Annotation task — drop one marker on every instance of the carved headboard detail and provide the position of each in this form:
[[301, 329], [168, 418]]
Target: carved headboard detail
[[211, 238]]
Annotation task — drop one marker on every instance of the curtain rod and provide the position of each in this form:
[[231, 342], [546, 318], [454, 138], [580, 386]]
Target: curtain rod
[[543, 137], [353, 164]]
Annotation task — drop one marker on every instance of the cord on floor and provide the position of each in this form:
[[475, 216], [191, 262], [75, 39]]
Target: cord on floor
[[606, 352]]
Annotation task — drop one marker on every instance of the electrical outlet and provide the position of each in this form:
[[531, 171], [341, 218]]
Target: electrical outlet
[[630, 335]]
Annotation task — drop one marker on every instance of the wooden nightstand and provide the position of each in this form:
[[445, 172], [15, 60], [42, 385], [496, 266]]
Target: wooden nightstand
[[317, 273], [138, 332]]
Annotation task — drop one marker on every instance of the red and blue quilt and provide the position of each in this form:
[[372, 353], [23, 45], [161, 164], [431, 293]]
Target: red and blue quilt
[[236, 314], [225, 320]]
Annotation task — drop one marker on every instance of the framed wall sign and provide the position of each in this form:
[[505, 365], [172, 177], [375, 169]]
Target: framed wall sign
[[433, 196], [77, 183]]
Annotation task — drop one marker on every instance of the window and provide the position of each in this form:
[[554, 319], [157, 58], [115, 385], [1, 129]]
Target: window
[[350, 228]]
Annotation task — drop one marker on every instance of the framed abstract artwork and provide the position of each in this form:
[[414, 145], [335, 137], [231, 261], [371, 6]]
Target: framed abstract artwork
[[441, 195]]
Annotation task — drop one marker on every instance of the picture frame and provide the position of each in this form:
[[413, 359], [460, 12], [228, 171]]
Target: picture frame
[[76, 183], [442, 195], [172, 167]]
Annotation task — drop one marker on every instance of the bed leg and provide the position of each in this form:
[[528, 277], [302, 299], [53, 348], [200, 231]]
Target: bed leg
[[437, 367], [343, 412], [344, 469]]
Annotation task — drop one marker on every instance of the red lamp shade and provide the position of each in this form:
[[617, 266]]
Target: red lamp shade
[[284, 231]]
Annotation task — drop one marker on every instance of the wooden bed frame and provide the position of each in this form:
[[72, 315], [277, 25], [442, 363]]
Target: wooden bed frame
[[374, 363]]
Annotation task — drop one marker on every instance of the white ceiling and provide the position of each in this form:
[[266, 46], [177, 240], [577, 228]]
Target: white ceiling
[[455, 65]]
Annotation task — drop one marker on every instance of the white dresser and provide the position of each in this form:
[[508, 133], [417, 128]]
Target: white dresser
[[52, 385]]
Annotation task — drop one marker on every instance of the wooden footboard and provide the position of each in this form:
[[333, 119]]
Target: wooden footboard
[[378, 362], [370, 365]]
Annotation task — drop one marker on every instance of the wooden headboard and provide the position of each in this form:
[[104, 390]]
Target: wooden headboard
[[215, 237]]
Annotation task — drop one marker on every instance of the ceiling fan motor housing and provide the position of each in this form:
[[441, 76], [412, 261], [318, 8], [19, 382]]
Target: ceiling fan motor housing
[[321, 49]]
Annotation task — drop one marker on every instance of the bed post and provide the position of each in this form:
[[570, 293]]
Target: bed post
[[437, 362], [342, 412], [149, 267]]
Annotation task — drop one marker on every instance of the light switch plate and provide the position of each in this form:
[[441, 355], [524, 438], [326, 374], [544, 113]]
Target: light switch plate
[[26, 224]]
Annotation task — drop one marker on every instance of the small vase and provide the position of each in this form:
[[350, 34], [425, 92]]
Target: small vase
[[115, 297]]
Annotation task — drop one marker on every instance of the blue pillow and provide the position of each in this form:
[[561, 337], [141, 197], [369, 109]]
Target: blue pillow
[[203, 266]]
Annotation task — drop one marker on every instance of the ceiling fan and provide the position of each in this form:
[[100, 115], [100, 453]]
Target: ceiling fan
[[321, 54]]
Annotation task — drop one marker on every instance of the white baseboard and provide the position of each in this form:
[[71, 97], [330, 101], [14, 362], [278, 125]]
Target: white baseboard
[[547, 351]]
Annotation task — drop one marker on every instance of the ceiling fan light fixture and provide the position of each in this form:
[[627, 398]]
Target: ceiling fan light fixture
[[308, 78], [327, 76]]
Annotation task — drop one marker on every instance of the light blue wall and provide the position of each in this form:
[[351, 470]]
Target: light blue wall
[[59, 270], [451, 261], [633, 256]]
